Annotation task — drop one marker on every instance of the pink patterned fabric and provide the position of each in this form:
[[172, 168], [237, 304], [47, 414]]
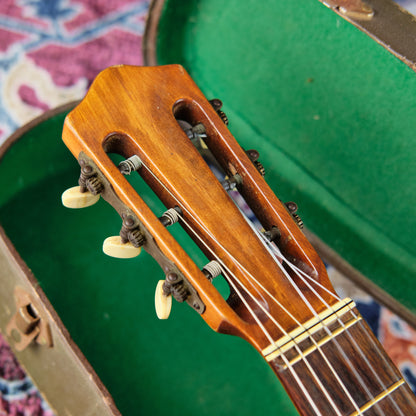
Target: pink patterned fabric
[[9, 367], [51, 50], [18, 395]]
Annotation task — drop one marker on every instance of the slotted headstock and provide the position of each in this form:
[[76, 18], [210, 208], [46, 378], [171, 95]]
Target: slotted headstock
[[134, 112]]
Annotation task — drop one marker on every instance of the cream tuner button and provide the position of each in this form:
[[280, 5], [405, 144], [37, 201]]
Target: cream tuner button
[[74, 198], [114, 247], [163, 303]]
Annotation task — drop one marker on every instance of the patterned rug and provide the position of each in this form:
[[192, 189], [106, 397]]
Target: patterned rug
[[50, 51]]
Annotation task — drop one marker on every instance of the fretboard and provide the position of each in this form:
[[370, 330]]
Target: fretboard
[[334, 365]]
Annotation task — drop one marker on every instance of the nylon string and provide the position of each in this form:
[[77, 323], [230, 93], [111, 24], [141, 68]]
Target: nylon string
[[324, 390], [297, 271]]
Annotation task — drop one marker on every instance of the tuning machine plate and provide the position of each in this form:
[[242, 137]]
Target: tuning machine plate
[[134, 235]]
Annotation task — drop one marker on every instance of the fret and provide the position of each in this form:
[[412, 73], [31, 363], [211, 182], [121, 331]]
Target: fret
[[341, 352], [399, 401], [378, 398], [314, 333]]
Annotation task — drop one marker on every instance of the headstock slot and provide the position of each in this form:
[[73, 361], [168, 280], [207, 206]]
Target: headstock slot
[[193, 223], [265, 205]]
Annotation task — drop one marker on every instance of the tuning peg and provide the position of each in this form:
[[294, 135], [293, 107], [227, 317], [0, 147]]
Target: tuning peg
[[128, 243], [253, 154], [163, 301], [230, 184], [74, 198], [217, 104], [114, 247]]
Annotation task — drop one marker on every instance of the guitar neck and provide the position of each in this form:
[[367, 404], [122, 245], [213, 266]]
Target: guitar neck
[[331, 364], [334, 365]]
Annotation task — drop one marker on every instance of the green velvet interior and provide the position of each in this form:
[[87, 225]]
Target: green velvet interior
[[151, 367], [332, 113]]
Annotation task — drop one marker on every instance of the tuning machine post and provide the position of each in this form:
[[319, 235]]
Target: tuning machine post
[[217, 105], [254, 155], [128, 243], [292, 207], [88, 191], [174, 286], [130, 165]]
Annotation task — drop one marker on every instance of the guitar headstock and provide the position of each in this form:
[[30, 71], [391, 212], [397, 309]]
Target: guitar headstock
[[158, 120]]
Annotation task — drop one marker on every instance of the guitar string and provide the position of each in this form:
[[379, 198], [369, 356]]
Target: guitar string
[[285, 360], [268, 336], [310, 307], [353, 340], [301, 325], [300, 352], [338, 346], [299, 271], [266, 242], [270, 205], [289, 365], [252, 312], [269, 247], [381, 353], [273, 209]]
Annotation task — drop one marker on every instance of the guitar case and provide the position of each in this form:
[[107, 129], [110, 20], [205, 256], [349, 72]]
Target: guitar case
[[333, 116]]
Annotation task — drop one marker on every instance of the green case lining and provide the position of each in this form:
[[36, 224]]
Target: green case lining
[[331, 112]]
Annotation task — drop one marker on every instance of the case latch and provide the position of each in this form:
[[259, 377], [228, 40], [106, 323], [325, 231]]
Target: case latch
[[27, 324]]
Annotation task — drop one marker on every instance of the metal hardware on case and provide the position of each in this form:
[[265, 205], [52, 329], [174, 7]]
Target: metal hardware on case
[[130, 165], [27, 325], [354, 9]]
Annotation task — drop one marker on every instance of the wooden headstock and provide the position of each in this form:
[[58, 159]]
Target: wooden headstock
[[134, 111]]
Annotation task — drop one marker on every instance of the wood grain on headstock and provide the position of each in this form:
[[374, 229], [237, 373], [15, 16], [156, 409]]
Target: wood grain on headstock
[[131, 110]]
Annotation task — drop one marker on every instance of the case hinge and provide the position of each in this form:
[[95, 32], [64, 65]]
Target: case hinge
[[27, 324]]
